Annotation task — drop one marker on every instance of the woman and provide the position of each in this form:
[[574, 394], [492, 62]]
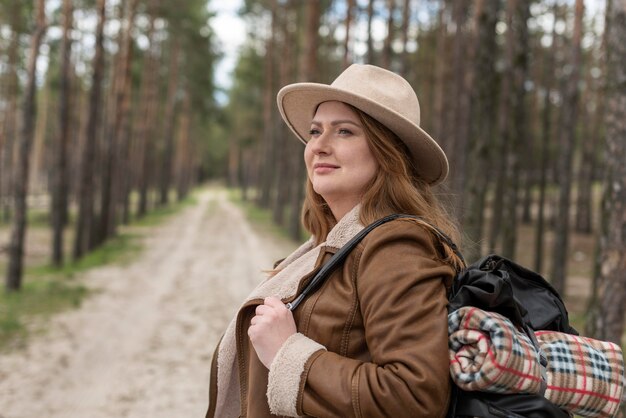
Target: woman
[[372, 341]]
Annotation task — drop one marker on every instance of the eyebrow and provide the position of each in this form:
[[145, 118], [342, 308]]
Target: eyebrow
[[337, 122]]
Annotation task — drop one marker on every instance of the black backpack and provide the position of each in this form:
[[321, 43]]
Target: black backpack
[[493, 284]]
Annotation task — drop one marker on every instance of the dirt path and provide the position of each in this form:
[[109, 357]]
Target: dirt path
[[141, 346]]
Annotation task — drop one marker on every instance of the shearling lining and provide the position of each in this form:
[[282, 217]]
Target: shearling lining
[[286, 372]]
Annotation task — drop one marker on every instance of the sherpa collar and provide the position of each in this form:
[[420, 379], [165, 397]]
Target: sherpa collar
[[283, 285]]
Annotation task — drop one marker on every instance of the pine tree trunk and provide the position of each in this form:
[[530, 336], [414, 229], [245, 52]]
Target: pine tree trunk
[[546, 119], [520, 129], [588, 161], [404, 58], [307, 70], [10, 117], [148, 103], [484, 100], [60, 187], [501, 141], [29, 115], [566, 149], [84, 227], [121, 175], [285, 139], [36, 179], [108, 143], [346, 43], [460, 108], [184, 148], [168, 117], [268, 171], [387, 52], [370, 38], [585, 180], [607, 314], [440, 95]]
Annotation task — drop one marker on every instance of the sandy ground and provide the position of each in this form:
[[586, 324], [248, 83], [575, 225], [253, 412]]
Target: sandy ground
[[141, 345]]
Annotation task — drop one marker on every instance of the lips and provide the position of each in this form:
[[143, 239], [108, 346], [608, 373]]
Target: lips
[[324, 165], [324, 168]]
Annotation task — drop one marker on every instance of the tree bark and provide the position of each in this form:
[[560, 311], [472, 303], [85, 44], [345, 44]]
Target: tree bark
[[461, 105], [370, 39], [404, 59], [387, 51], [546, 130], [501, 141], [84, 228], [588, 162], [168, 117], [110, 142], [483, 108], [148, 100], [566, 149], [308, 69], [29, 115], [122, 124], [441, 70], [9, 127], [60, 176], [184, 148], [520, 129], [348, 24], [607, 313], [268, 172], [286, 150]]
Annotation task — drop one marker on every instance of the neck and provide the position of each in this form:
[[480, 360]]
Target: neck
[[339, 209]]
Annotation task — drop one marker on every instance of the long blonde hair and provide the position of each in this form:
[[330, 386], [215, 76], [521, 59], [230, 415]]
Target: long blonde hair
[[395, 189]]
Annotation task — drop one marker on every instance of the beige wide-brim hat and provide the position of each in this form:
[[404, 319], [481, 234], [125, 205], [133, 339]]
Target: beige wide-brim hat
[[383, 95]]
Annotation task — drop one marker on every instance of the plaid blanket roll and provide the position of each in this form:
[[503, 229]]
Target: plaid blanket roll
[[585, 376], [488, 353]]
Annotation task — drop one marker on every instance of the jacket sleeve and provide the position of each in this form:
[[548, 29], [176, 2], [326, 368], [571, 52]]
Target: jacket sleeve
[[400, 286]]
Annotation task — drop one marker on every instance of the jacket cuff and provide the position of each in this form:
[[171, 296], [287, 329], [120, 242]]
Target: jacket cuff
[[284, 381]]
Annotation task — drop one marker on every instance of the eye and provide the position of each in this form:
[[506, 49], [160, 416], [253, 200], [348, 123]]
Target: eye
[[344, 131], [314, 132]]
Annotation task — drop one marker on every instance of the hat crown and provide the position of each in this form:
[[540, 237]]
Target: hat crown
[[385, 96], [381, 86]]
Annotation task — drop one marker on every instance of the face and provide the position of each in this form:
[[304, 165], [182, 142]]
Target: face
[[338, 159]]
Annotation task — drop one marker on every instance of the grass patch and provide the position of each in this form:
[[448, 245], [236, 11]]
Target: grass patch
[[261, 218], [120, 249], [158, 215], [47, 289], [37, 299]]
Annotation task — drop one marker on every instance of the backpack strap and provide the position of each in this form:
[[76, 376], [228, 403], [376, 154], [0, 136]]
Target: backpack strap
[[339, 257]]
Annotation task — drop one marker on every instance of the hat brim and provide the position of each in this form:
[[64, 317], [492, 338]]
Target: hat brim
[[298, 102]]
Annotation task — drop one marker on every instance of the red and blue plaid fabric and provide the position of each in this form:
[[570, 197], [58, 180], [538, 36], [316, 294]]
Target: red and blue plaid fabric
[[488, 353]]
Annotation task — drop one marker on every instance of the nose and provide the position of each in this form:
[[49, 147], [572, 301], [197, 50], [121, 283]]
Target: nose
[[320, 144]]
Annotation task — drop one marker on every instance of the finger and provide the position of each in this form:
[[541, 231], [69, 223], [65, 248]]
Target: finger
[[262, 309], [274, 302]]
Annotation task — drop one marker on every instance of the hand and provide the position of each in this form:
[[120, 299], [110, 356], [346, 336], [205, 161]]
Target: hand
[[270, 328]]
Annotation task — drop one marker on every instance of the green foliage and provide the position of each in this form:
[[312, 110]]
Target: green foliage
[[260, 218], [37, 299], [245, 115], [158, 215], [120, 249], [214, 148]]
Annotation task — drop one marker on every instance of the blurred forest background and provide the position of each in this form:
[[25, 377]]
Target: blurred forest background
[[527, 98]]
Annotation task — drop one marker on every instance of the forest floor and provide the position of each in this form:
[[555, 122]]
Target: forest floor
[[141, 344]]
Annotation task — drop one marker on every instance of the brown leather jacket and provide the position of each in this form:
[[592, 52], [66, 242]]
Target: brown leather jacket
[[372, 342]]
